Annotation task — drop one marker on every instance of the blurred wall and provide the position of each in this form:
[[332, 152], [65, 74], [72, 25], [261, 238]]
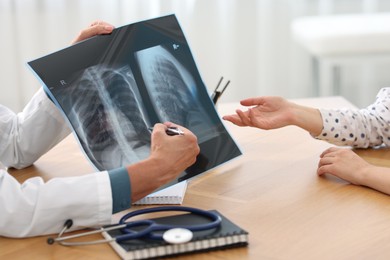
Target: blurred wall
[[246, 41]]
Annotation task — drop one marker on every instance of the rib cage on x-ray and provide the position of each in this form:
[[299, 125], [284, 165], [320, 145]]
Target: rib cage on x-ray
[[173, 91], [108, 117]]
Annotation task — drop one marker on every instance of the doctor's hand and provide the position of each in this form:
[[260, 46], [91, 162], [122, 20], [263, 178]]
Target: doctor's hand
[[271, 112], [169, 157], [176, 152], [95, 28]]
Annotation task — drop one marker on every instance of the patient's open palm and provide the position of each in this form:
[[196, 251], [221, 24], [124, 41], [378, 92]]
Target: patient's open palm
[[265, 113]]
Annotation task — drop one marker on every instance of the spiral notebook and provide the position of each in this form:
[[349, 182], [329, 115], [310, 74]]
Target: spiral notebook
[[172, 195], [228, 235]]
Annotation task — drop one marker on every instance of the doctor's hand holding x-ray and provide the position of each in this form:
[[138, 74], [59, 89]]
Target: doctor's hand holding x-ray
[[37, 208]]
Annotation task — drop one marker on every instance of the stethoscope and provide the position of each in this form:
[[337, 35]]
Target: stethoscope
[[173, 234]]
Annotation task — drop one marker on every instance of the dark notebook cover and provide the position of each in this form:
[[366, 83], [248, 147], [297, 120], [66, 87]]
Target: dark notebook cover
[[111, 88], [228, 235]]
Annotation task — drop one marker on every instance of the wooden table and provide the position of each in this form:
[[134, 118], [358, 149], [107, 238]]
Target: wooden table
[[272, 191]]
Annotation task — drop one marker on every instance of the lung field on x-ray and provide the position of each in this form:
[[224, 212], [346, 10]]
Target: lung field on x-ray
[[173, 91], [167, 95], [107, 114]]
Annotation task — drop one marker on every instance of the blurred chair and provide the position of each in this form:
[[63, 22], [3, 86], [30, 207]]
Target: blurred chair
[[337, 40]]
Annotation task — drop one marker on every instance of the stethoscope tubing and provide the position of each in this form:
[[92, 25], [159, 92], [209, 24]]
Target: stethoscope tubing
[[61, 239], [153, 226], [132, 234]]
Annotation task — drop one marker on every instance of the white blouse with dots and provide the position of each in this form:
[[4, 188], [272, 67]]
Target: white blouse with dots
[[362, 128]]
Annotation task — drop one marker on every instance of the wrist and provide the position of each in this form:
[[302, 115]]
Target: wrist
[[142, 178], [366, 176], [376, 177], [146, 176], [307, 118]]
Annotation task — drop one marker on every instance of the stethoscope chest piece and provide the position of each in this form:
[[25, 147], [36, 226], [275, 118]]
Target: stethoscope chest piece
[[177, 235]]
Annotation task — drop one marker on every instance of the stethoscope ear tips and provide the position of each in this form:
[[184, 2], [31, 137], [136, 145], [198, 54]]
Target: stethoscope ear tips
[[68, 223], [50, 241]]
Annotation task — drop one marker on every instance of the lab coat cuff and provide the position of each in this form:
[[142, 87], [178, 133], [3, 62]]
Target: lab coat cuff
[[121, 189]]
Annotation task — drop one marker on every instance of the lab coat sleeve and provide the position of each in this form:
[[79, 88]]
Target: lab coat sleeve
[[26, 136], [37, 208]]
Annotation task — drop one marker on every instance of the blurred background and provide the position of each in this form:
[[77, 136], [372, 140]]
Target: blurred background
[[246, 41]]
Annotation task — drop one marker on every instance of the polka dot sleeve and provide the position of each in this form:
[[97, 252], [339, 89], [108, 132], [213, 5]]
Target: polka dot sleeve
[[362, 128]]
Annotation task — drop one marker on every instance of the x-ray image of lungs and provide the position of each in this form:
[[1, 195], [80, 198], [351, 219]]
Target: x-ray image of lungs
[[108, 117], [173, 91]]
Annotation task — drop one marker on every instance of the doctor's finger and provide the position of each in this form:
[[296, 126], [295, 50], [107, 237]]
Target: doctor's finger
[[182, 128], [159, 129], [96, 28]]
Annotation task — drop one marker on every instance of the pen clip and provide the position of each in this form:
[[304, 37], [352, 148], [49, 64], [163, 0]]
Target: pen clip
[[217, 94]]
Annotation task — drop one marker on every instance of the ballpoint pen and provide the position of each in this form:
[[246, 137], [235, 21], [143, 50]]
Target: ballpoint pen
[[170, 131]]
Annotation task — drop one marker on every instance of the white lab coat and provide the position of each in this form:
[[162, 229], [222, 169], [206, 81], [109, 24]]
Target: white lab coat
[[34, 207]]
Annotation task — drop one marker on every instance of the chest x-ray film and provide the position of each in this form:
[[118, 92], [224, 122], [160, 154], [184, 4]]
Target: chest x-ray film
[[111, 88]]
